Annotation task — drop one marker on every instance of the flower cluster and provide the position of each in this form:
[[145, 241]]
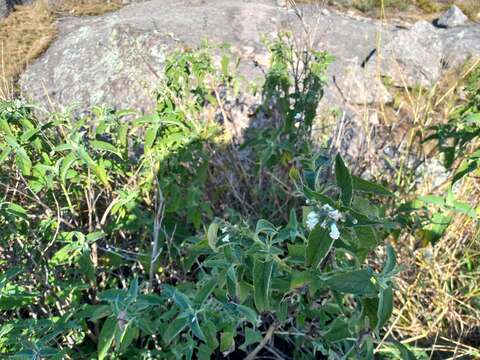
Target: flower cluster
[[330, 218], [226, 238]]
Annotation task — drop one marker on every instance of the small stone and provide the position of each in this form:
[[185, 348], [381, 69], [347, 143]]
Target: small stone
[[452, 17]]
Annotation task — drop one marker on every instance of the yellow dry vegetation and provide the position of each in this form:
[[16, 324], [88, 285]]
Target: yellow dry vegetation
[[28, 31], [86, 7], [24, 35], [438, 292]]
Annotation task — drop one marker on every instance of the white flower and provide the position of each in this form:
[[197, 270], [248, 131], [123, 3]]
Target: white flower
[[299, 116], [335, 215], [226, 238], [224, 230], [312, 220], [334, 233], [327, 208]]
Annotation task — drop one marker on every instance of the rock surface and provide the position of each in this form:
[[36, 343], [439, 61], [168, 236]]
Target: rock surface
[[117, 58], [452, 17], [411, 57], [6, 6]]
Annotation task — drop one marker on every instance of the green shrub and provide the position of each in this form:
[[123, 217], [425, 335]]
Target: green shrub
[[106, 252]]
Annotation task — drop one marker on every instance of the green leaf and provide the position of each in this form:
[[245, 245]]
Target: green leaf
[[357, 282], [210, 331], [262, 275], [63, 147], [205, 352], [212, 235], [367, 237], [368, 187], [206, 290], [178, 297], [94, 236], [66, 254], [101, 174], [130, 333], [122, 133], [106, 337], [175, 328], [337, 330], [385, 306], [105, 146], [433, 200], [248, 313], [150, 136], [264, 226], [16, 210], [318, 246], [86, 266], [23, 161], [5, 128], [344, 180], [5, 153], [67, 163], [391, 260], [227, 343], [405, 353], [251, 337], [197, 330], [316, 196]]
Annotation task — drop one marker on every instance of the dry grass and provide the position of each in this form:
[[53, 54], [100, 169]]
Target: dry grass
[[438, 295], [28, 31], [86, 7], [24, 35]]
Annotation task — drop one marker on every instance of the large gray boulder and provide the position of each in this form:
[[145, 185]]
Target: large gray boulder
[[412, 57], [118, 58], [452, 17]]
